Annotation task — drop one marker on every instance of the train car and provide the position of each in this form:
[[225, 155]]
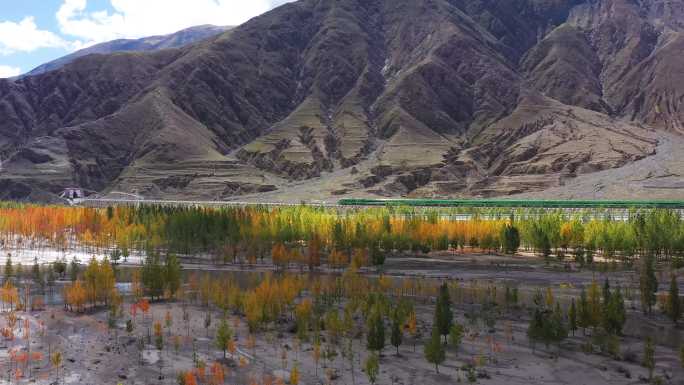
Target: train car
[[513, 203]]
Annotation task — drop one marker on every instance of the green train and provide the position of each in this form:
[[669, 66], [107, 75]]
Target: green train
[[517, 203]]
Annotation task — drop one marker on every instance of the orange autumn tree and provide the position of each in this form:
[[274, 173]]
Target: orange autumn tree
[[75, 296], [217, 374], [200, 370], [313, 254], [280, 255], [338, 259], [270, 299], [189, 378], [9, 295], [144, 306]]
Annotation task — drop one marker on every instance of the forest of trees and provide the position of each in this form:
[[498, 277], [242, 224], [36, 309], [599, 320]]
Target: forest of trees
[[306, 235], [351, 310]]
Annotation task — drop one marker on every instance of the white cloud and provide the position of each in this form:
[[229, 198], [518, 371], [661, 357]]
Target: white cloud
[[9, 72], [25, 36], [140, 18]]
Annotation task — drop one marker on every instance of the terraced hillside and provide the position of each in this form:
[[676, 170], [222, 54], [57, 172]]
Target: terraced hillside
[[326, 98]]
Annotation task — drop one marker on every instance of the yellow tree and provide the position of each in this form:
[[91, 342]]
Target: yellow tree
[[412, 326], [294, 376], [9, 295], [359, 258], [279, 255], [75, 296], [56, 361], [550, 300], [99, 281], [136, 285]]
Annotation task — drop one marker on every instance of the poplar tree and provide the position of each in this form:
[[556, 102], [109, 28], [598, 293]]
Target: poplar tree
[[559, 331], [377, 256], [37, 274], [434, 350], [674, 303], [19, 271], [594, 301], [372, 368], [115, 256], [648, 283], [649, 357], [615, 314], [444, 318], [51, 278], [456, 336], [572, 317], [536, 329], [606, 291], [376, 331], [584, 313], [511, 239], [397, 335], [223, 336], [74, 270], [9, 270], [547, 325], [172, 274], [153, 275]]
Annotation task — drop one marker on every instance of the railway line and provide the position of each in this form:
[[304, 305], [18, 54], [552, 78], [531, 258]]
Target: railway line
[[529, 204]]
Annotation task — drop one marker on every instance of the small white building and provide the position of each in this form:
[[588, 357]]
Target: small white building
[[72, 193]]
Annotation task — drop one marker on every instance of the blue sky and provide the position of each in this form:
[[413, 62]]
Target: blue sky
[[33, 32]]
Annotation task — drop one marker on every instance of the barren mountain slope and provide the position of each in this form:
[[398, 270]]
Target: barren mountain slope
[[358, 97], [152, 43]]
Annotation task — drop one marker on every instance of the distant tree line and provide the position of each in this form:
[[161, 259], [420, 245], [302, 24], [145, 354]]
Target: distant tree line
[[309, 236]]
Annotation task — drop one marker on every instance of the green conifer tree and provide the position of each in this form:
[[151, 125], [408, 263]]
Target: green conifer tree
[[606, 291], [535, 331], [172, 274], [559, 330], [572, 317], [456, 336], [223, 336], [648, 283], [649, 357], [615, 314], [584, 319], [511, 239], [397, 334], [9, 269], [376, 331], [372, 368], [434, 350], [674, 302], [444, 318]]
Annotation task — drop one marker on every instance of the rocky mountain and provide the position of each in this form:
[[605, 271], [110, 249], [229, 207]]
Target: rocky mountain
[[320, 99], [152, 43]]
